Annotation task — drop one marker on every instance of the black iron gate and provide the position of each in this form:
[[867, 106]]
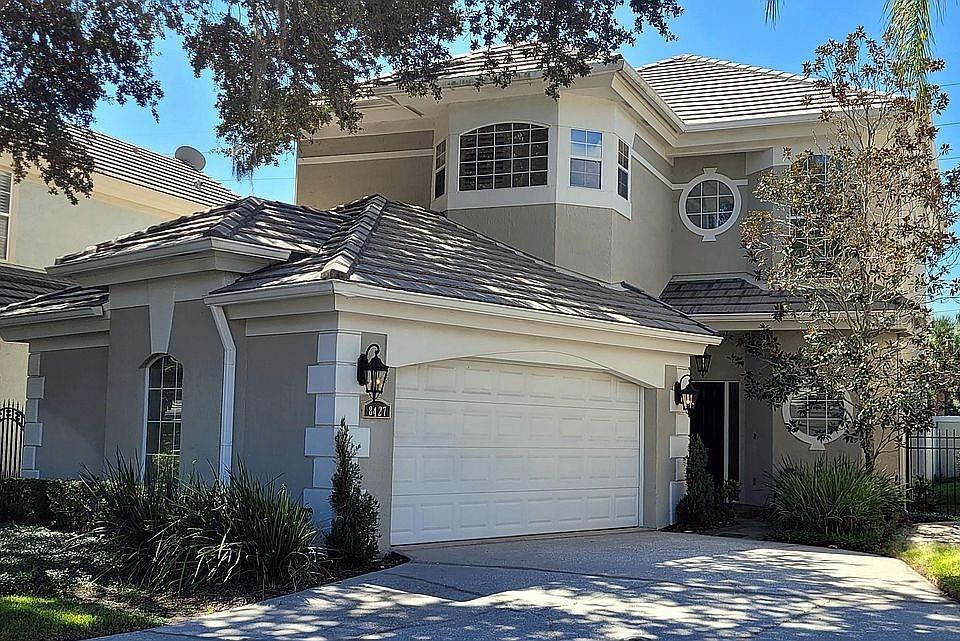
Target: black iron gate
[[933, 468], [11, 438]]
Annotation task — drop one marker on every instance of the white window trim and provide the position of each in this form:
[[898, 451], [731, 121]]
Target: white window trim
[[624, 169], [711, 173], [816, 444], [438, 167], [468, 193], [574, 156], [144, 463], [6, 256]]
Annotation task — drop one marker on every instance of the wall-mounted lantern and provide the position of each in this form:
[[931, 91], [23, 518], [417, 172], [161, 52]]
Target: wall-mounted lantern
[[372, 372], [685, 396], [702, 363]]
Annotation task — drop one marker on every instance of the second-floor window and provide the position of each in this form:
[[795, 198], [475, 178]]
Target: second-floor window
[[623, 170], [6, 189], [440, 170], [806, 220], [586, 153], [502, 156]]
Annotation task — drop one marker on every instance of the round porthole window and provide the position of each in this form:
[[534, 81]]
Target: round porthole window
[[710, 204], [816, 418]]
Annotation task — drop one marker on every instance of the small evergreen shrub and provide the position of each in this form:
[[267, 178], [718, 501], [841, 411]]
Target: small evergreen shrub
[[923, 496], [702, 507], [355, 529], [52, 503], [835, 501]]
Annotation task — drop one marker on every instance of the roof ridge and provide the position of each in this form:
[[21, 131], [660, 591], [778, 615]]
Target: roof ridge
[[354, 238], [656, 299], [244, 210]]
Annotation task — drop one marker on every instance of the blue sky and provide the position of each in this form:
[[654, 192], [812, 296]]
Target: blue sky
[[732, 30]]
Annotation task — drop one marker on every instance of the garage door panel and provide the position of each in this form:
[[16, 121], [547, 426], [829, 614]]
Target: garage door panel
[[437, 423], [479, 515], [472, 381], [458, 469], [486, 449]]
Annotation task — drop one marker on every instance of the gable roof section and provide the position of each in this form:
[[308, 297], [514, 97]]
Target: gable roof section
[[121, 160], [397, 246], [73, 301], [707, 91], [21, 283], [722, 296], [250, 220], [386, 244]]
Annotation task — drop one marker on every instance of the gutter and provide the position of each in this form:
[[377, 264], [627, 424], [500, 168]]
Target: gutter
[[227, 393]]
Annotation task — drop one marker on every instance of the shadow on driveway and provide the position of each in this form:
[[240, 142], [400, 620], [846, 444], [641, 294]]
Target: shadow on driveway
[[625, 585]]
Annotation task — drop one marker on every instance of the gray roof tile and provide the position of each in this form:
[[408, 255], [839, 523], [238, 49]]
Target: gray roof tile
[[393, 245], [136, 165], [71, 298], [21, 283], [722, 296]]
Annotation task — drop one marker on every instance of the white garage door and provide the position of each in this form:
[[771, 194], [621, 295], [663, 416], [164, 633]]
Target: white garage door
[[486, 449]]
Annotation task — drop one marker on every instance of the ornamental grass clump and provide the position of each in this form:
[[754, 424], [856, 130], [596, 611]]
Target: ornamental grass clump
[[188, 535], [835, 501]]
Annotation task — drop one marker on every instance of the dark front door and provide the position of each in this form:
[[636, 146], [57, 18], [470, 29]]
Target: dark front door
[[708, 422]]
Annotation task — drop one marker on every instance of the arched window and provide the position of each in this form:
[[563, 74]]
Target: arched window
[[505, 155], [164, 416]]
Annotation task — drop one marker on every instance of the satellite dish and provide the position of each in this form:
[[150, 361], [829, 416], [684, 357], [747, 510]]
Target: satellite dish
[[191, 157]]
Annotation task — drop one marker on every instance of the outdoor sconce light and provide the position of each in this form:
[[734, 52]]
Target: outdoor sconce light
[[702, 363], [372, 372], [686, 397]]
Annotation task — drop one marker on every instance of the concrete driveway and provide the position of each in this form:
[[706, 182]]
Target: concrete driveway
[[625, 585]]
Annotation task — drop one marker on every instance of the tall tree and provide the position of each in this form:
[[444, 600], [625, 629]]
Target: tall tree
[[910, 29], [281, 67], [859, 239]]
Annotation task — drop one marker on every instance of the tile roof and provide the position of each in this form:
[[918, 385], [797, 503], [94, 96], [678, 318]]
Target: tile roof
[[398, 246], [375, 241], [71, 298], [277, 225], [704, 91], [722, 296], [22, 283], [518, 59], [136, 165]]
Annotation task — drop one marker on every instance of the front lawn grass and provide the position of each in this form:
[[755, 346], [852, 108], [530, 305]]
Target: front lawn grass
[[31, 618], [939, 562]]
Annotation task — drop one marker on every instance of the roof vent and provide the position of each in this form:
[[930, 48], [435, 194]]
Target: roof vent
[[191, 157]]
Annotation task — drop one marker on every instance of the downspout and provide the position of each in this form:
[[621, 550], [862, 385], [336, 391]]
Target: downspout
[[226, 393]]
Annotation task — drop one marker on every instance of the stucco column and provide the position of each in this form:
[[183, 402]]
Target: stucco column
[[32, 427], [679, 444], [332, 380]]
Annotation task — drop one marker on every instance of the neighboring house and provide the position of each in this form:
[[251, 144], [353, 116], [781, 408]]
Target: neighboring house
[[133, 188], [537, 274]]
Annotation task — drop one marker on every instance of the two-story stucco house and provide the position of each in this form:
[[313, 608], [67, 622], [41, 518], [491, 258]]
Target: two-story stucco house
[[133, 188], [537, 274]]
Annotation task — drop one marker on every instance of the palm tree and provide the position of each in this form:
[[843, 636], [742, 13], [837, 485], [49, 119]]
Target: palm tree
[[910, 28]]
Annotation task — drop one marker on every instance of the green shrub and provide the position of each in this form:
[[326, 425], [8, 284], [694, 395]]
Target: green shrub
[[835, 501], [702, 506], [191, 534], [923, 496], [55, 503], [355, 529]]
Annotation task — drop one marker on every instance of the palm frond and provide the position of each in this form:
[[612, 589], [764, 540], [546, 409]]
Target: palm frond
[[772, 12]]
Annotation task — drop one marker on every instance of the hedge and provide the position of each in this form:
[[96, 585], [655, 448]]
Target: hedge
[[54, 503]]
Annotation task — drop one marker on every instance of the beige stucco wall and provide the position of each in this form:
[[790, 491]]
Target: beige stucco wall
[[530, 228], [335, 181], [44, 226], [13, 371]]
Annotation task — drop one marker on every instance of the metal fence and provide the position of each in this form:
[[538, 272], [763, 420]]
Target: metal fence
[[11, 438], [933, 467]]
